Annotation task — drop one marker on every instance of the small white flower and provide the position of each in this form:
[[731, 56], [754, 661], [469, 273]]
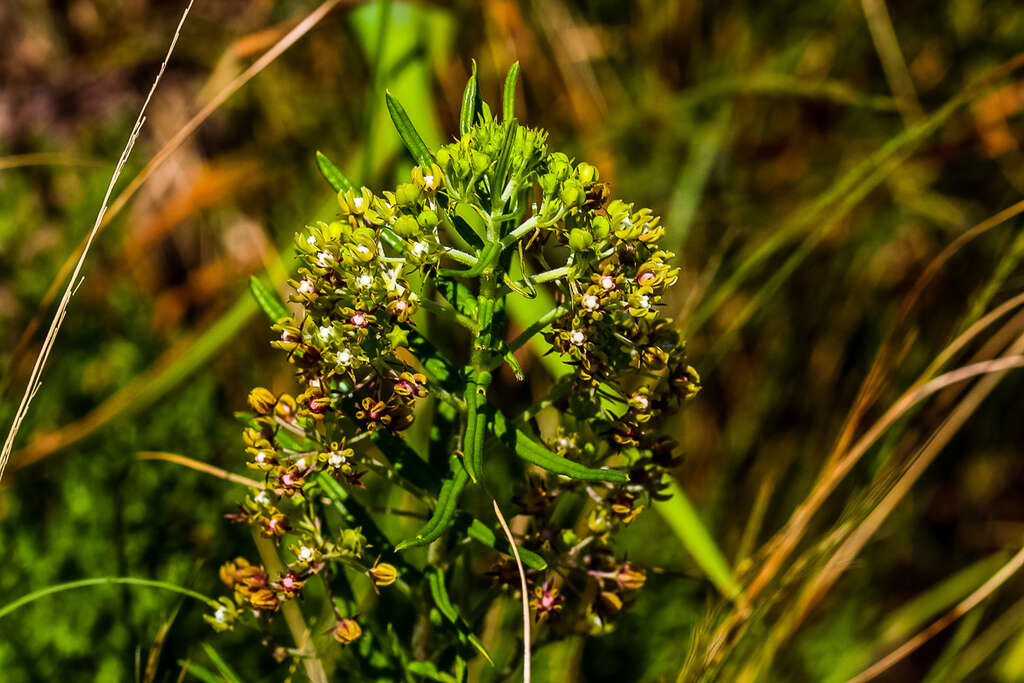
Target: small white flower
[[644, 301], [363, 249], [642, 401], [577, 338], [420, 248], [301, 463], [261, 457], [591, 302], [325, 332], [345, 357], [305, 287], [305, 554], [364, 280], [428, 181], [336, 459], [262, 498], [314, 383], [357, 202], [311, 241], [324, 259], [221, 615], [608, 282]]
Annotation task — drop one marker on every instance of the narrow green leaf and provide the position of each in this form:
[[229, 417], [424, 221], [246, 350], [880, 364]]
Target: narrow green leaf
[[267, 300], [508, 102], [469, 102], [200, 672], [688, 527], [917, 612], [221, 665], [105, 580], [430, 670], [413, 142], [332, 174], [481, 533], [407, 461], [439, 592]]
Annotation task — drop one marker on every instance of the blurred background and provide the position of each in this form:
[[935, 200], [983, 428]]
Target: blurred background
[[810, 159]]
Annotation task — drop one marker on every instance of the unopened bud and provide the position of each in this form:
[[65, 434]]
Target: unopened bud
[[262, 400]]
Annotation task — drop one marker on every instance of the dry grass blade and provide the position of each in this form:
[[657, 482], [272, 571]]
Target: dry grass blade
[[888, 47], [793, 531], [200, 467], [887, 352], [995, 371], [46, 159], [526, 595], [58, 318], [301, 28], [965, 606]]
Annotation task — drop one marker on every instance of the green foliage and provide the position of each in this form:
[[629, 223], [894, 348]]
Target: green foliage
[[802, 194]]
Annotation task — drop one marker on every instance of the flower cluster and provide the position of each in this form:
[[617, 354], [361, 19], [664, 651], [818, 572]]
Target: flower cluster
[[490, 216]]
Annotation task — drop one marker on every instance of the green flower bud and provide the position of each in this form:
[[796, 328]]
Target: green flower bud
[[573, 194], [407, 194], [558, 165], [549, 210], [406, 226], [580, 239], [548, 184], [587, 173], [444, 157], [479, 162], [602, 227], [427, 219], [398, 337]]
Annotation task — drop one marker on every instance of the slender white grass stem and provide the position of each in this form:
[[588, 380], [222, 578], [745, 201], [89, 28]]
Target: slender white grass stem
[[526, 595], [34, 381]]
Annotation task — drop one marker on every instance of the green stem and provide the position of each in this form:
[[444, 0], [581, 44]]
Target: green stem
[[105, 580], [292, 614], [533, 329]]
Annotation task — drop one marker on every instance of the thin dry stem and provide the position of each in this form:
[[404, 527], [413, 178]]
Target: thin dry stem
[[200, 467], [34, 381], [888, 47], [526, 595], [962, 608], [172, 145]]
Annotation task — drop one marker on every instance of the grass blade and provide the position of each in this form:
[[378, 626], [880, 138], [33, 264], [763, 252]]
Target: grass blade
[[680, 515], [267, 300], [103, 581], [221, 665]]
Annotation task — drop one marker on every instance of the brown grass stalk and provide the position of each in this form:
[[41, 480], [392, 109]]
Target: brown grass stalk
[[34, 381], [962, 608], [301, 28]]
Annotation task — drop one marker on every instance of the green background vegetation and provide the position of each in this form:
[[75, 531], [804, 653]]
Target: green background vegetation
[[807, 173]]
